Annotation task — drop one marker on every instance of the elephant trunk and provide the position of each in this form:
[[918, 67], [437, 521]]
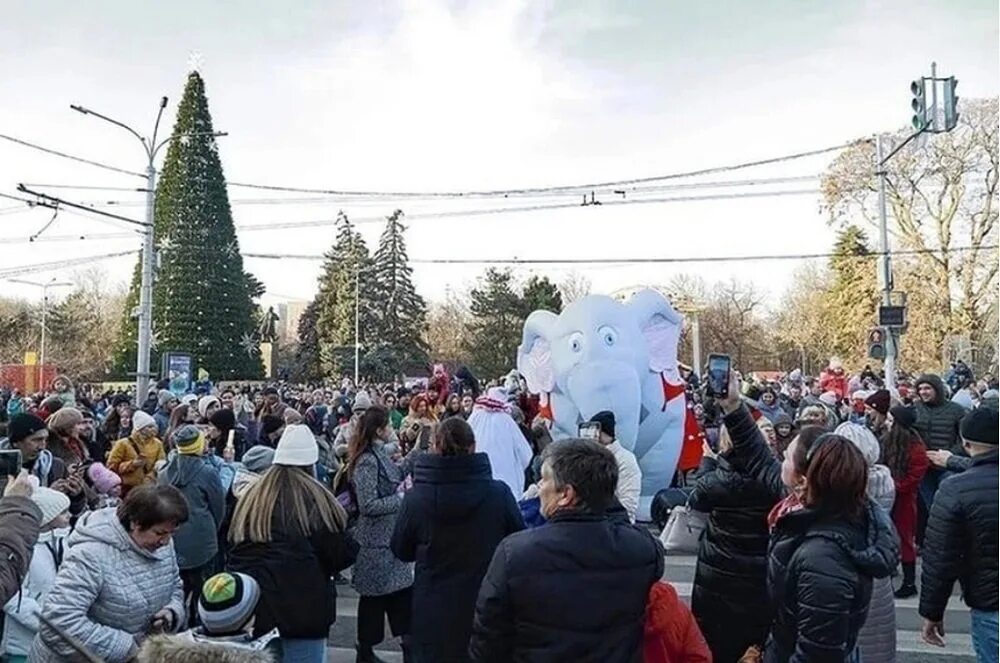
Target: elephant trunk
[[597, 386]]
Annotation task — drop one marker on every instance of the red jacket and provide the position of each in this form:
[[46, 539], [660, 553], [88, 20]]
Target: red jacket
[[671, 633], [837, 383], [904, 510]]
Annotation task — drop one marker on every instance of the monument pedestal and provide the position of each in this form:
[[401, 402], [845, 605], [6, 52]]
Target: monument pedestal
[[268, 355]]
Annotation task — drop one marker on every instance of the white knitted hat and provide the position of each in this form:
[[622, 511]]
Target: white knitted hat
[[140, 420], [50, 502], [297, 447]]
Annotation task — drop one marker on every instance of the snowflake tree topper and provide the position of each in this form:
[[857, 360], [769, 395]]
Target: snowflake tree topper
[[249, 344], [195, 61]]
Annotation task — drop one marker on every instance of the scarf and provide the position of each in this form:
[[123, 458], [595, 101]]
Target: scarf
[[790, 504]]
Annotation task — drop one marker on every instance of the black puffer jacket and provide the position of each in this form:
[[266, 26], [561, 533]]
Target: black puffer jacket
[[574, 589], [450, 524], [937, 421], [731, 575], [819, 569], [961, 540]]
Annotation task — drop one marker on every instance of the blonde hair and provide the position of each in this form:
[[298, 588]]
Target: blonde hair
[[300, 499]]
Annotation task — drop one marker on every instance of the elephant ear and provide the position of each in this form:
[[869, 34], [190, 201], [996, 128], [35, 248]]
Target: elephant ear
[[534, 356], [661, 327]]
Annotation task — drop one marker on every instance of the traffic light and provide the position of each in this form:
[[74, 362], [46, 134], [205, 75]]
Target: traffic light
[[876, 343], [919, 104], [950, 103]]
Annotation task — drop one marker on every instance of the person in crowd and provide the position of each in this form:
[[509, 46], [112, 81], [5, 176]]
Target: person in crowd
[[814, 415], [876, 410], [961, 540], [256, 461], [118, 422], [118, 582], [416, 428], [135, 457], [937, 422], [784, 432], [317, 412], [554, 593], [395, 416], [182, 415], [347, 431], [226, 610], [94, 438], [770, 435], [828, 541], [834, 379], [62, 388], [468, 402], [65, 443], [450, 524], [629, 474], [105, 486], [22, 611], [769, 405], [196, 540], [403, 398], [671, 632], [731, 572], [383, 581], [207, 406], [49, 406], [20, 519], [15, 404], [29, 435], [791, 399], [271, 404], [452, 407], [166, 401], [877, 639], [271, 429], [288, 534], [220, 423], [904, 453], [498, 436]]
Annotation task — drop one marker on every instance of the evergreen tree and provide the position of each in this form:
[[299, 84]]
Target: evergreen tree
[[497, 320], [306, 367], [852, 297], [202, 298], [401, 314], [539, 293], [346, 266]]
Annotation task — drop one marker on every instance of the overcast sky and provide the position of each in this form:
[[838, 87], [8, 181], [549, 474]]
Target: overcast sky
[[428, 95]]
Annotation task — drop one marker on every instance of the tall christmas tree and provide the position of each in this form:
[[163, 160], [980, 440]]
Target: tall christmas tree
[[401, 313], [345, 269], [202, 299]]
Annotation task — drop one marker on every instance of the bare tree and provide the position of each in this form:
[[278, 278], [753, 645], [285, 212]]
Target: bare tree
[[573, 287], [448, 324]]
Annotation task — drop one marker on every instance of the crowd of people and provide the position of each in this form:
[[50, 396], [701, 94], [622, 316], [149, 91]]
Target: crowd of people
[[224, 520]]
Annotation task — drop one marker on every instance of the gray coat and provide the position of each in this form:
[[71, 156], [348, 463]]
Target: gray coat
[[377, 571], [877, 639], [196, 541], [106, 592]]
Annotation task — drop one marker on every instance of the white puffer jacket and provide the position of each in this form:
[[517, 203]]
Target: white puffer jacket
[[106, 592], [23, 608]]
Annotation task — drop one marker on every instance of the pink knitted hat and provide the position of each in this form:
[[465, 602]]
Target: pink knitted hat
[[104, 480]]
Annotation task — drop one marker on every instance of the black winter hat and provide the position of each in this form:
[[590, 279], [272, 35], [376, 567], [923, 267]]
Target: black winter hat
[[23, 425], [121, 399], [980, 426], [606, 419], [904, 416]]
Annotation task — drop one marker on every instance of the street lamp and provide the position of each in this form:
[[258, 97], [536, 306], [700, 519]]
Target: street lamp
[[45, 308], [151, 147]]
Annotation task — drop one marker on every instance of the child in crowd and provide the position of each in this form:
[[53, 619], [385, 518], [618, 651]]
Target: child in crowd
[[23, 609], [105, 485], [226, 611]]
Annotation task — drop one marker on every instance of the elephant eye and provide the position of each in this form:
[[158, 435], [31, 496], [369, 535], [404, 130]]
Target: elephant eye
[[608, 335], [576, 342]]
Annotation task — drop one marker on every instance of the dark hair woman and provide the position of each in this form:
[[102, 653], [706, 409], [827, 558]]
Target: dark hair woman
[[828, 541], [383, 581], [731, 573], [450, 524], [905, 454], [118, 579], [288, 533]]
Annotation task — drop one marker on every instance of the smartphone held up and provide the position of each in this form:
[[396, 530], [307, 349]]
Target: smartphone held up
[[719, 369]]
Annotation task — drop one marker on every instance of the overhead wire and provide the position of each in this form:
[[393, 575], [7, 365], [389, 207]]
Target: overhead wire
[[60, 264], [64, 155]]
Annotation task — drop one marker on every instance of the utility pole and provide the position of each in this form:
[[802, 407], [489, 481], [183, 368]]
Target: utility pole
[[885, 265], [45, 309], [145, 311], [357, 323]]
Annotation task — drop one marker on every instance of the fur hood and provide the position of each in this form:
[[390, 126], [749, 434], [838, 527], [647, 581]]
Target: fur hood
[[181, 649]]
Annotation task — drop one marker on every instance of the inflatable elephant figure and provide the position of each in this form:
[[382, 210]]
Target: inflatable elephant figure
[[600, 354]]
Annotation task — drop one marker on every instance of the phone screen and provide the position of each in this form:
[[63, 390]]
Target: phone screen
[[10, 463], [718, 375], [589, 431]]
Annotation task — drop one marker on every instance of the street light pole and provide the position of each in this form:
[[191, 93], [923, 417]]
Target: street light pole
[[45, 309], [145, 313]]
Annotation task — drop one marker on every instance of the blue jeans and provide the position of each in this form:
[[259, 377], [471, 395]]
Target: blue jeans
[[303, 651], [984, 635]]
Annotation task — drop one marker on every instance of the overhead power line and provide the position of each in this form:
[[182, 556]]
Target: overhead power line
[[630, 261], [54, 203], [492, 193], [57, 153], [59, 264]]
